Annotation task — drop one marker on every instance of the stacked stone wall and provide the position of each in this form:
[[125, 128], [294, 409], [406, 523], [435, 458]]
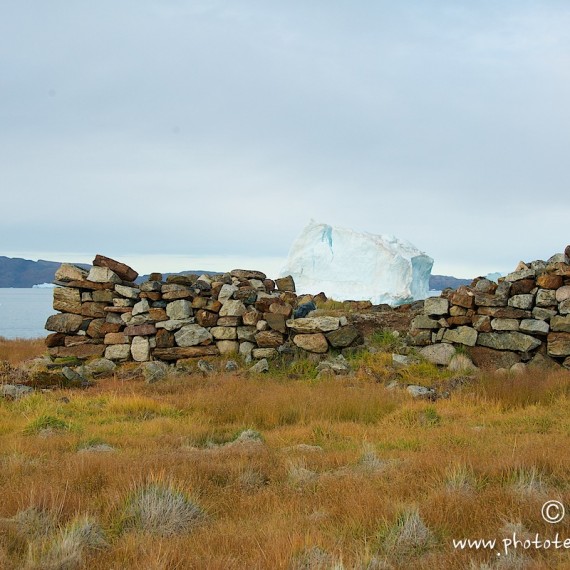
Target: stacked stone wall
[[103, 312], [524, 317]]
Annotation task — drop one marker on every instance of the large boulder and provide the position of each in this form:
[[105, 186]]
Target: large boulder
[[351, 265]]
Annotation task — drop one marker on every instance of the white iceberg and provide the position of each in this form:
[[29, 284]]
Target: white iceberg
[[360, 266]]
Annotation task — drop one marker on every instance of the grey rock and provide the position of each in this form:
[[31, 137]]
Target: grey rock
[[245, 348], [224, 333], [545, 298], [179, 309], [399, 360], [118, 352], [103, 275], [440, 354], [424, 322], [246, 333], [522, 301], [205, 366], [231, 366], [534, 326], [505, 324], [232, 308], [518, 275], [560, 323], [192, 335], [543, 314], [154, 371], [64, 323], [436, 306], [100, 366], [314, 324], [141, 307], [73, 376], [228, 346], [461, 335], [226, 292], [128, 292], [262, 353], [508, 341], [140, 349], [421, 392], [68, 272], [14, 391], [564, 307], [563, 293], [260, 367], [174, 324]]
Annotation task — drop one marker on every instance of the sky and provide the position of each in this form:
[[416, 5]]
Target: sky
[[206, 134]]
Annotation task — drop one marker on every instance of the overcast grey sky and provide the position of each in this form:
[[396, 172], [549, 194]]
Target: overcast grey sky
[[182, 132]]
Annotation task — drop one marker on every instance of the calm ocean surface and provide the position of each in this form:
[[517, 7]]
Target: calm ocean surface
[[23, 312]]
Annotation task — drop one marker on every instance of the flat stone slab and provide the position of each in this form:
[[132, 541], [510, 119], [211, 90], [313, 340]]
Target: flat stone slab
[[178, 353], [515, 341]]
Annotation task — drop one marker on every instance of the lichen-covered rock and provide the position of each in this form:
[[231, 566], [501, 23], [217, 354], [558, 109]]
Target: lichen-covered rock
[[438, 353], [314, 324], [514, 341], [461, 335], [192, 335]]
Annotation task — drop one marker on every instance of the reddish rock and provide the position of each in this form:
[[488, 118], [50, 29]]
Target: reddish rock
[[463, 297], [288, 297], [157, 315], [125, 272], [140, 330], [489, 358], [559, 344], [456, 321], [81, 351], [151, 295], [276, 321], [269, 339], [95, 328], [522, 287], [165, 339], [282, 308], [206, 318], [93, 310], [111, 327], [548, 281], [251, 317], [505, 312], [55, 339], [262, 305], [285, 283], [116, 338], [84, 284], [269, 285], [482, 323]]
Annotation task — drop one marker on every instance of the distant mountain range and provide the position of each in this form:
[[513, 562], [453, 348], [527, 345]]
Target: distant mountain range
[[24, 273]]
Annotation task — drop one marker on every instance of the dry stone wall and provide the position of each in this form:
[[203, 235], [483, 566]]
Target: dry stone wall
[[524, 317], [103, 312]]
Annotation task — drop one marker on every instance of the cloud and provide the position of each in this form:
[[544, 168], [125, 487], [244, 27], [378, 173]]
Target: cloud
[[220, 129]]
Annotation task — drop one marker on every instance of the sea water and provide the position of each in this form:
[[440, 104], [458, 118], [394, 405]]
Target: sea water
[[23, 312]]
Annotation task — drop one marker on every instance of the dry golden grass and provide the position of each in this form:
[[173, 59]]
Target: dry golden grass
[[17, 350], [387, 482]]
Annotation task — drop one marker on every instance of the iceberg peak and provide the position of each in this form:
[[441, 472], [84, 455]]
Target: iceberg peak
[[346, 264]]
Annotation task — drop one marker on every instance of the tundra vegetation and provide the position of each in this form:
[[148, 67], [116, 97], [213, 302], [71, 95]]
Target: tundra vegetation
[[288, 469]]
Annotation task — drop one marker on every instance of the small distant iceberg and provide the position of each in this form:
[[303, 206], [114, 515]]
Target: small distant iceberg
[[43, 286], [494, 276]]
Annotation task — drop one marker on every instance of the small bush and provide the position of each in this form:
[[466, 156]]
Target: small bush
[[409, 536], [161, 509], [46, 422]]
